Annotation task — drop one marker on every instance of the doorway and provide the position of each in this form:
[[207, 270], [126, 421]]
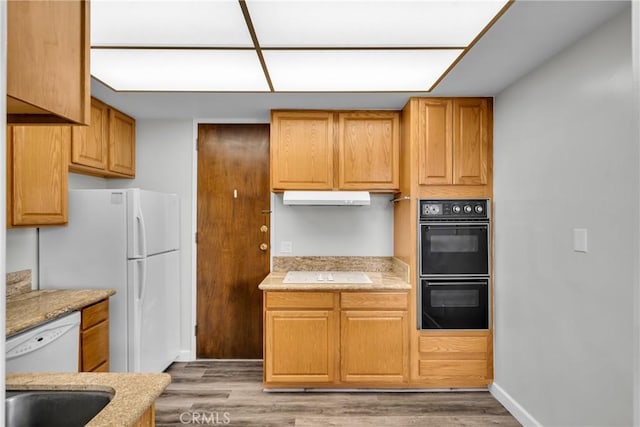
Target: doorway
[[233, 236]]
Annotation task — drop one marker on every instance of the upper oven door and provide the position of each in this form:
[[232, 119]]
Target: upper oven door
[[454, 249]]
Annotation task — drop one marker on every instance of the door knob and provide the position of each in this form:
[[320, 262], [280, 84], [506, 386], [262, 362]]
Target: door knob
[[263, 246], [264, 228]]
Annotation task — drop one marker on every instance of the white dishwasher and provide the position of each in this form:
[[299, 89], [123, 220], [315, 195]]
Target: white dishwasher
[[50, 347]]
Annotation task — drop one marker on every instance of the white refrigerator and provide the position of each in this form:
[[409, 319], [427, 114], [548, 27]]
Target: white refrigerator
[[127, 240]]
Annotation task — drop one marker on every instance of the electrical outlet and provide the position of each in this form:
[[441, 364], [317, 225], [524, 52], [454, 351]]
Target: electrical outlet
[[286, 247]]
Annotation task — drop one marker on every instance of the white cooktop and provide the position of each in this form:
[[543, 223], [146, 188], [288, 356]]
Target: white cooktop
[[326, 277]]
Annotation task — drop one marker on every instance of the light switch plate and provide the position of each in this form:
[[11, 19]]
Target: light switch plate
[[286, 247], [580, 240]]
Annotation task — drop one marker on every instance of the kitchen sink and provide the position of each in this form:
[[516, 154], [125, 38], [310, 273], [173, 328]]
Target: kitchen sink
[[53, 408]]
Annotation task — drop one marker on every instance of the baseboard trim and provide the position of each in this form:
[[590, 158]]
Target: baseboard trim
[[185, 356], [519, 413]]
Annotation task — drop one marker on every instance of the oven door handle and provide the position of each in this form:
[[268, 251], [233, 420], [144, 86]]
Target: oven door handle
[[482, 283], [456, 225]]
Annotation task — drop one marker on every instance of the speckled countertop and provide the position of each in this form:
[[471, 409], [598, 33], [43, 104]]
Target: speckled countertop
[[133, 392], [385, 281], [30, 309], [386, 273]]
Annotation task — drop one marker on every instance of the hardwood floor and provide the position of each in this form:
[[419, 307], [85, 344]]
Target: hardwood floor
[[230, 393]]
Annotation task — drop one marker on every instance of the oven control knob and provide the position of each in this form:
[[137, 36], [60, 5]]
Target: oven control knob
[[479, 209], [456, 209], [467, 209]]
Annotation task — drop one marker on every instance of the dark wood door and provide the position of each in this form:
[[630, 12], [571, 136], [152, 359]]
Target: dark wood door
[[233, 223]]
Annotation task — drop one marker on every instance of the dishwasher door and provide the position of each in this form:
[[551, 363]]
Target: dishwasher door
[[51, 347]]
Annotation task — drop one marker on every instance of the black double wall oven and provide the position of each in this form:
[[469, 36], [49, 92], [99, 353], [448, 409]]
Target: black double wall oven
[[454, 264]]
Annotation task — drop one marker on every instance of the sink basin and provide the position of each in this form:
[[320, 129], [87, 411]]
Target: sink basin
[[53, 408]]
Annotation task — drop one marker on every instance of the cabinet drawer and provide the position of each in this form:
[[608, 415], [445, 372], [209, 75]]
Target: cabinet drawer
[[95, 314], [453, 368], [434, 347], [302, 299], [374, 300], [95, 346]]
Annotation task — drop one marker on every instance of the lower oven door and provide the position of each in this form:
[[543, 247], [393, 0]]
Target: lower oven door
[[455, 304]]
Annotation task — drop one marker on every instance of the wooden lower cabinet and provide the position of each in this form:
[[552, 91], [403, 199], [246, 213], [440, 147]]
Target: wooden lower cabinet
[[455, 359], [94, 338], [300, 346], [148, 419], [374, 346], [336, 339]]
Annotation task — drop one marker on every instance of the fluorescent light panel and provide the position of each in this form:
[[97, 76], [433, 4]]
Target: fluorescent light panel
[[357, 70], [313, 23], [179, 70], [168, 23]]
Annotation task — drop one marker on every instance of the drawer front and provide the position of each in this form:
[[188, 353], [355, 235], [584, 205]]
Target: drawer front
[[94, 314], [433, 347], [454, 368], [374, 300], [301, 299], [95, 346]]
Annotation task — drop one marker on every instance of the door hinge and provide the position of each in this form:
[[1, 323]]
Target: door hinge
[[195, 330], [196, 238], [197, 144]]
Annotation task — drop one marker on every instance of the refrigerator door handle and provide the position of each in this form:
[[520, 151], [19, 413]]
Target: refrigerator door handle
[[142, 278], [142, 235]]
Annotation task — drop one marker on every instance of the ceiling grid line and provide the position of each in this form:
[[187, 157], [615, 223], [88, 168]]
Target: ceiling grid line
[[256, 43]]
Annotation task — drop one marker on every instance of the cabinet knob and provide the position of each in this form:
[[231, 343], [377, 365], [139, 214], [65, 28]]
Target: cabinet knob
[[264, 228], [263, 246]]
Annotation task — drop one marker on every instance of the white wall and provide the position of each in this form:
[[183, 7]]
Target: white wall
[[164, 162], [565, 157], [333, 230]]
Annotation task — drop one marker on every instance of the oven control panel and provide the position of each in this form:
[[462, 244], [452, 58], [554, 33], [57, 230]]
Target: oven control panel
[[454, 209]]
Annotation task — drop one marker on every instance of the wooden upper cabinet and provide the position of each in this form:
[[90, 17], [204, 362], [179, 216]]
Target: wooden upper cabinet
[[106, 147], [368, 150], [470, 141], [89, 143], [37, 158], [48, 78], [122, 147], [301, 150], [435, 148], [362, 154], [454, 141]]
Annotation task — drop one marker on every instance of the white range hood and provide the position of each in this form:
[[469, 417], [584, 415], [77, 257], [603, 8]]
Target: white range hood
[[327, 198]]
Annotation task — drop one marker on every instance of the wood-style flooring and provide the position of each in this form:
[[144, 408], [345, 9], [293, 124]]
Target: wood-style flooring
[[230, 393]]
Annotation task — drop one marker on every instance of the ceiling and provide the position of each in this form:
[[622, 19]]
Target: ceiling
[[527, 35], [283, 45]]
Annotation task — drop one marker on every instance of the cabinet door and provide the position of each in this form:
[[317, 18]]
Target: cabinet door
[[300, 346], [95, 348], [37, 177], [122, 143], [48, 61], [470, 141], [89, 143], [374, 346], [435, 142], [301, 150], [369, 150]]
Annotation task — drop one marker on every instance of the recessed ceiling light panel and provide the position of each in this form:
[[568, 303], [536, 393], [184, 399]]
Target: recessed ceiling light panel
[[358, 23], [357, 70], [179, 70], [168, 23]]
